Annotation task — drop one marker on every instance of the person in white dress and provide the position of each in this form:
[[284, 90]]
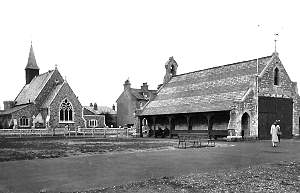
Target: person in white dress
[[274, 132]]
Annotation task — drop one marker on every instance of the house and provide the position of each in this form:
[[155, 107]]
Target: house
[[99, 116], [239, 99], [45, 101], [130, 101]]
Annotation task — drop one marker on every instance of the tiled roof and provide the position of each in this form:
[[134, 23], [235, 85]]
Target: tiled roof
[[31, 91], [137, 93], [213, 89], [12, 110], [52, 95], [101, 110]]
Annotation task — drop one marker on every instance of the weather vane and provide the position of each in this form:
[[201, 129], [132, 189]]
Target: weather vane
[[275, 40]]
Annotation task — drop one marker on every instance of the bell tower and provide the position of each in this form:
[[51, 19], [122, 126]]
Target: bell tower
[[171, 69], [32, 69]]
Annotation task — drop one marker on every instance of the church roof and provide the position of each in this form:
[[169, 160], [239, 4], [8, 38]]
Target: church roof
[[30, 91], [52, 95], [31, 64], [212, 89]]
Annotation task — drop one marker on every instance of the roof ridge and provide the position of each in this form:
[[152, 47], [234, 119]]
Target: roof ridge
[[215, 67]]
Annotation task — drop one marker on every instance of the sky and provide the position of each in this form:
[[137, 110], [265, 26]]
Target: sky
[[97, 45]]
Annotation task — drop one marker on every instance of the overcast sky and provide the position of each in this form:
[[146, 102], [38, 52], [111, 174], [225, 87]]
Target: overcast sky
[[99, 44]]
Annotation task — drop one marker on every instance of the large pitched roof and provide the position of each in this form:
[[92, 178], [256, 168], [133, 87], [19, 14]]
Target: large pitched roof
[[31, 64], [213, 89], [31, 91], [52, 95]]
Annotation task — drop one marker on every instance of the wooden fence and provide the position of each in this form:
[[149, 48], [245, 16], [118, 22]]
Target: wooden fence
[[104, 132]]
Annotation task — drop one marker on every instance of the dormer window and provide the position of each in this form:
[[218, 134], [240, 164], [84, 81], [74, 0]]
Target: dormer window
[[276, 76]]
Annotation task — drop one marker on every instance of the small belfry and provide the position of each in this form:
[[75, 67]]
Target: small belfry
[[171, 69], [32, 70]]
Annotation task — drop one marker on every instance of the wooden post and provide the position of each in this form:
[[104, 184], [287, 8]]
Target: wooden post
[[153, 122], [104, 132], [189, 128], [209, 124], [170, 126], [141, 126]]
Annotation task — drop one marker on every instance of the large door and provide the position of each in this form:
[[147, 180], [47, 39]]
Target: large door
[[271, 109]]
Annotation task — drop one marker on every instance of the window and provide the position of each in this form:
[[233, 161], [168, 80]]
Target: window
[[276, 76], [93, 123], [24, 122], [65, 111]]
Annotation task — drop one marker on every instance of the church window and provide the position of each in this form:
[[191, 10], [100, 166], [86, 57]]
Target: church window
[[65, 111], [24, 122], [93, 123], [276, 76]]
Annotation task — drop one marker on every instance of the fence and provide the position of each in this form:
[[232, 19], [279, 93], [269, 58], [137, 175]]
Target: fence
[[104, 132]]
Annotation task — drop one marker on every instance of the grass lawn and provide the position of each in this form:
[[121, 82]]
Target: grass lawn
[[280, 177], [41, 148]]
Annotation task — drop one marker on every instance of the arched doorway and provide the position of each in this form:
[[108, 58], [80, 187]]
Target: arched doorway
[[245, 125]]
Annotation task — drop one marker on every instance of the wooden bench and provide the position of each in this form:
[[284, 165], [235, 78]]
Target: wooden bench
[[195, 139]]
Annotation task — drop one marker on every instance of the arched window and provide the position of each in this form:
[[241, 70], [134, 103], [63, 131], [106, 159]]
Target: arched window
[[276, 76], [65, 111]]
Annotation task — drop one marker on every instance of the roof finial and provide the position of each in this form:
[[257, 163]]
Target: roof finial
[[275, 41], [56, 66]]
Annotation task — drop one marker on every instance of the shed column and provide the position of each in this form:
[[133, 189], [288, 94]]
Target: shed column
[[209, 124], [140, 126], [189, 126], [153, 123], [170, 126]]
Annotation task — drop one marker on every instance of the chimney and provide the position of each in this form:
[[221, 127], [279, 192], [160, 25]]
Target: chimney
[[113, 107], [144, 87], [91, 105], [127, 84], [95, 106], [8, 104]]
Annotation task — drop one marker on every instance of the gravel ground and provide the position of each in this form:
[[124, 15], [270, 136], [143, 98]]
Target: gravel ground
[[43, 148], [279, 177]]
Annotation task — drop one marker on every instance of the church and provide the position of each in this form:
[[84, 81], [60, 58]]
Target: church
[[239, 99], [45, 101]]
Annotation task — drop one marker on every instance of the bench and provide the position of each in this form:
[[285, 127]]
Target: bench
[[195, 139]]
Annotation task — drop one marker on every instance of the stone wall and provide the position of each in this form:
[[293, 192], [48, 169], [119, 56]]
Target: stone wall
[[66, 92], [285, 89]]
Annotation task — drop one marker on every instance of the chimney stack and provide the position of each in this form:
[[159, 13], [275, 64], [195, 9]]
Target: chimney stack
[[144, 87], [113, 107], [95, 106]]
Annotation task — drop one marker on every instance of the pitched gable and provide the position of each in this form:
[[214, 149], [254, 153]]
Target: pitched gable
[[213, 89]]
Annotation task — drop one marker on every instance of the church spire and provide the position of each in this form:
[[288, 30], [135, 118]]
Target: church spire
[[31, 64], [32, 69]]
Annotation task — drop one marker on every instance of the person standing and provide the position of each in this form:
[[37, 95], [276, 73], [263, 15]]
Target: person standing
[[274, 135], [278, 130]]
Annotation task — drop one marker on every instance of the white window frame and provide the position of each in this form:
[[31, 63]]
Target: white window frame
[[93, 123], [68, 107]]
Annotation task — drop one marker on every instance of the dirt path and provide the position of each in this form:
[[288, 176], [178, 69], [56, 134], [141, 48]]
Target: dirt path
[[81, 173]]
